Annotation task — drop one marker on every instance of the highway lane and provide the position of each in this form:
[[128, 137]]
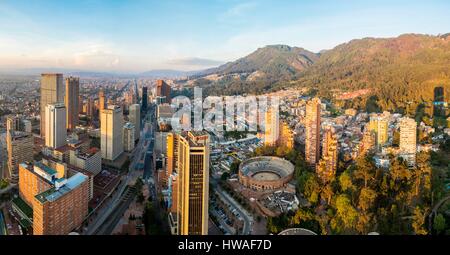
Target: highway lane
[[114, 218], [110, 206]]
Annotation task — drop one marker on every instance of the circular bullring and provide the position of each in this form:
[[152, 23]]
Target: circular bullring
[[265, 173], [297, 232]]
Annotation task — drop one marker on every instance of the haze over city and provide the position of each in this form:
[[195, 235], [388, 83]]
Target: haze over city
[[137, 36]]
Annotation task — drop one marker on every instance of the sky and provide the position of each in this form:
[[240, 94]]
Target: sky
[[142, 35]]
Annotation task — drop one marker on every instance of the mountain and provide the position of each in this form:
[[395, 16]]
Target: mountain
[[400, 72], [394, 74], [257, 71], [272, 61]]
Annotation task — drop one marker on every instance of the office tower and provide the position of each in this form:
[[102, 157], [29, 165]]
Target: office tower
[[59, 204], [286, 137], [272, 129], [172, 153], [408, 139], [72, 102], [192, 171], [101, 101], [111, 125], [80, 104], [20, 149], [52, 91], [367, 142], [379, 124], [136, 92], [90, 107], [439, 103], [135, 118], [90, 160], [326, 169], [144, 98], [128, 137], [312, 131], [55, 121], [163, 90], [14, 123]]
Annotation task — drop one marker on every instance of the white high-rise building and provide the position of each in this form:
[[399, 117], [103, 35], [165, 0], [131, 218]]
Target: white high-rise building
[[135, 118], [52, 91], [111, 126], [408, 139], [128, 136], [55, 125]]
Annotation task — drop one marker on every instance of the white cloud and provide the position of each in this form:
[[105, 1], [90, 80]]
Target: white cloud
[[237, 13]]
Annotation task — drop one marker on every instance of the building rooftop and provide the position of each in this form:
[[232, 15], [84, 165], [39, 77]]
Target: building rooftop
[[47, 169], [54, 194]]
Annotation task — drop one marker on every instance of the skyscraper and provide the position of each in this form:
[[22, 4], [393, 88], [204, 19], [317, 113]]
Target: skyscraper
[[312, 131], [272, 128], [20, 149], [111, 125], [135, 118], [326, 169], [101, 101], [90, 107], [80, 104], [439, 103], [14, 123], [286, 137], [144, 98], [72, 101], [163, 90], [52, 91], [55, 125], [379, 124], [128, 136], [408, 139], [192, 193]]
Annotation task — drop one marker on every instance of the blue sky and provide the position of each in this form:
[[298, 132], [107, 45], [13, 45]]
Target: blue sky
[[138, 35]]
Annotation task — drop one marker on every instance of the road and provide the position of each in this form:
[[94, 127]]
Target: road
[[113, 219], [112, 204]]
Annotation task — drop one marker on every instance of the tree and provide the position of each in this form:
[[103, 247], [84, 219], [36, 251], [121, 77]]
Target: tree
[[234, 167], [418, 223], [365, 169], [345, 182], [439, 223], [367, 198], [309, 186], [225, 176], [327, 193], [346, 213], [399, 171]]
